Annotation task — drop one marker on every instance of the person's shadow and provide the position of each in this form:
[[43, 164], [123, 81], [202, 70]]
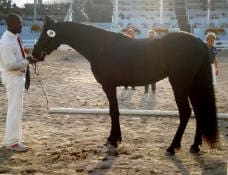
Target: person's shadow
[[5, 155]]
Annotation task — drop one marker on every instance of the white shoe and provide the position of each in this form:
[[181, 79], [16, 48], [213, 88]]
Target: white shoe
[[18, 147]]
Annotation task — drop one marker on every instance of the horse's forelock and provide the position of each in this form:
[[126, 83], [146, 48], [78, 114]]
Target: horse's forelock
[[48, 21]]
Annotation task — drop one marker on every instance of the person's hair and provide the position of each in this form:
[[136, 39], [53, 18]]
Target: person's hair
[[152, 31], [210, 35], [11, 18]]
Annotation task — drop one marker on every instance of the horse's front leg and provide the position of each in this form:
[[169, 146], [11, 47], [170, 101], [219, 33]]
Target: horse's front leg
[[115, 134]]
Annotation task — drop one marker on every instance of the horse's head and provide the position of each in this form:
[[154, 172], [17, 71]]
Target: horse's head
[[48, 40]]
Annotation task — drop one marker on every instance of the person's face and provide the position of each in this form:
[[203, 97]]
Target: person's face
[[130, 34], [18, 25], [210, 41], [151, 34], [15, 26]]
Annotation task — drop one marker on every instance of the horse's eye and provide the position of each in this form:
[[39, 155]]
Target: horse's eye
[[51, 33]]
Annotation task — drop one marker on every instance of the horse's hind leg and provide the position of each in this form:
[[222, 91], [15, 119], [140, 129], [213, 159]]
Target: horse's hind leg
[[115, 134], [184, 115], [197, 141], [198, 136]]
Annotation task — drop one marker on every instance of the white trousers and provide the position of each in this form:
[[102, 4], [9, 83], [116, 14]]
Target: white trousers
[[14, 87], [213, 73], [0, 76]]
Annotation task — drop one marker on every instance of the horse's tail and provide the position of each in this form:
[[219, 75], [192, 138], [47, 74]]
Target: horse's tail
[[203, 101]]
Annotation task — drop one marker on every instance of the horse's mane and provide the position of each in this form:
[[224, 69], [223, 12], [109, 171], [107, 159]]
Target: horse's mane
[[97, 30]]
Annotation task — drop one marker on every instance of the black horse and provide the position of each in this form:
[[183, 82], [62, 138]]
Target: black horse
[[117, 60]]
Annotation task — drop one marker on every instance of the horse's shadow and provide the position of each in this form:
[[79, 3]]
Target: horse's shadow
[[205, 166], [200, 161], [103, 166], [178, 163]]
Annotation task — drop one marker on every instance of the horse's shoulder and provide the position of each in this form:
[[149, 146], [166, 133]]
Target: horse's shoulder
[[119, 37]]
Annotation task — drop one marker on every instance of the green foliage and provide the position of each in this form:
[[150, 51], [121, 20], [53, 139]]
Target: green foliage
[[79, 14], [99, 10], [6, 7]]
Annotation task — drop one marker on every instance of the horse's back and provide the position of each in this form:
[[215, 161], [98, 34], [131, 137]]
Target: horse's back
[[182, 41], [141, 61]]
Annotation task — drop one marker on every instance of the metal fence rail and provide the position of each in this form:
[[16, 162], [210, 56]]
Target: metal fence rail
[[221, 45]]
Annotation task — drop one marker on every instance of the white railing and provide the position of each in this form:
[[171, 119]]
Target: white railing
[[221, 45]]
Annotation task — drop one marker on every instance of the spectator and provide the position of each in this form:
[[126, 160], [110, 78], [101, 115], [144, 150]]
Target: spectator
[[151, 34], [0, 75], [210, 38], [131, 34]]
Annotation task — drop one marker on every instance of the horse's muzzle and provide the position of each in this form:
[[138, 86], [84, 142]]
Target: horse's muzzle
[[39, 57]]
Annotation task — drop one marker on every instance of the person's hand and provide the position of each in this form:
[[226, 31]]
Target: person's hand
[[31, 59], [216, 72], [26, 50]]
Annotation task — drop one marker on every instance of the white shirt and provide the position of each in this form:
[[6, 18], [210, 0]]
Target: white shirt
[[11, 59]]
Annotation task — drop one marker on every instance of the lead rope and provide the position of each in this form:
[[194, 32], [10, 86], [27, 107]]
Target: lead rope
[[36, 71]]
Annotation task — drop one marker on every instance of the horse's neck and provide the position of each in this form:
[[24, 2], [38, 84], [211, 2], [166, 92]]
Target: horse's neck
[[85, 39]]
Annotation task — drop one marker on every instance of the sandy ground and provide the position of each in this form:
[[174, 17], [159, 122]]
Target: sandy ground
[[74, 144]]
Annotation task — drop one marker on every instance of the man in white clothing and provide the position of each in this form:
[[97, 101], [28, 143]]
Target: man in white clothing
[[0, 75], [13, 63]]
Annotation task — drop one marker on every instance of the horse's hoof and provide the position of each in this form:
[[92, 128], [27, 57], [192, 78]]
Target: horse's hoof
[[114, 143], [170, 152], [177, 147], [119, 142], [194, 149], [167, 153], [111, 150], [108, 142]]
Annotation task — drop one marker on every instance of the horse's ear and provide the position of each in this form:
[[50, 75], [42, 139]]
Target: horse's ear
[[48, 21]]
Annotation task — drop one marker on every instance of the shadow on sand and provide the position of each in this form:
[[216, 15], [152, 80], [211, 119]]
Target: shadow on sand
[[105, 163], [207, 166], [5, 155]]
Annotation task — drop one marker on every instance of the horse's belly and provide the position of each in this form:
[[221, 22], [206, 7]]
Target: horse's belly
[[140, 73], [137, 78]]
